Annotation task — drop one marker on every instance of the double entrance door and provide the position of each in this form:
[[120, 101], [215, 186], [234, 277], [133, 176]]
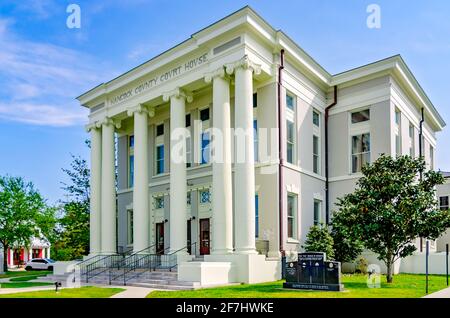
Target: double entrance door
[[204, 237]]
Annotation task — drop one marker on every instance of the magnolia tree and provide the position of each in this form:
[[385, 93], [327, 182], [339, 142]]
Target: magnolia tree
[[391, 207]]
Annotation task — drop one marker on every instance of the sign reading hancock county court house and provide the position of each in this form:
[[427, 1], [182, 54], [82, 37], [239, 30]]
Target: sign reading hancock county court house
[[160, 78], [312, 271]]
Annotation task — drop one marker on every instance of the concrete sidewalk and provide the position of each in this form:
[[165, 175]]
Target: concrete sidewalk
[[24, 290], [444, 293], [132, 292]]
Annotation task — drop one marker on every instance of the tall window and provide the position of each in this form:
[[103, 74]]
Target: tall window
[[131, 161], [443, 203], [316, 158], [130, 226], [398, 134], [256, 215], [317, 215], [360, 151], [290, 128], [188, 143], [159, 149], [290, 102], [316, 118], [411, 141], [205, 137], [205, 147], [159, 159], [431, 157], [255, 139], [290, 141], [292, 216]]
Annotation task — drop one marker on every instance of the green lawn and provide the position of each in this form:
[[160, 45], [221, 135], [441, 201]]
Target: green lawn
[[24, 273], [23, 284], [83, 292], [404, 286]]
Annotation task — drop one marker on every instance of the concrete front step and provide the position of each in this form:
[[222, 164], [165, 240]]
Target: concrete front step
[[157, 286]]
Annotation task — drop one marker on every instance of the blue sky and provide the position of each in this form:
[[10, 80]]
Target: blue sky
[[44, 65]]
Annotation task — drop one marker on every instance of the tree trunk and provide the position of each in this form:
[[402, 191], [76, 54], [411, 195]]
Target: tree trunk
[[389, 274], [5, 258]]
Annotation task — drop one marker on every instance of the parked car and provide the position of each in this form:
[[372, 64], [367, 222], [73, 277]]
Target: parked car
[[40, 264]]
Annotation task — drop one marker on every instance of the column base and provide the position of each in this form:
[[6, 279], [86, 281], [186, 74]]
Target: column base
[[225, 251], [246, 251]]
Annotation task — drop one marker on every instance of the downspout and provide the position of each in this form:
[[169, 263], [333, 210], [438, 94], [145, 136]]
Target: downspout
[[421, 137], [421, 157], [280, 155], [327, 191]]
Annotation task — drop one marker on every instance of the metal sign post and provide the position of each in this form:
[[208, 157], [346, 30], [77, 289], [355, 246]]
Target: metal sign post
[[426, 265], [446, 260]]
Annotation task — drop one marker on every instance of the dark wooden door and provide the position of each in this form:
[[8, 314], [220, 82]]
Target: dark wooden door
[[188, 240], [204, 236], [160, 238]]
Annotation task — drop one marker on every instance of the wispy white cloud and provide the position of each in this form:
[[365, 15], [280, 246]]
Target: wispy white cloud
[[40, 80]]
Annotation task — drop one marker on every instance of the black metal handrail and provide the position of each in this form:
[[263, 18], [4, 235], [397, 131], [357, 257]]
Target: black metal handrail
[[149, 262], [102, 265]]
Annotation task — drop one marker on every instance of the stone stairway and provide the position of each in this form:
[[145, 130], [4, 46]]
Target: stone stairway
[[158, 279]]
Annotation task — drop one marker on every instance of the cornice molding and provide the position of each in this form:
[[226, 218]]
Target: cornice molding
[[178, 93]]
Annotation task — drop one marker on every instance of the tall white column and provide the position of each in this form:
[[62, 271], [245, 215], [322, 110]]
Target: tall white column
[[95, 185], [222, 203], [178, 187], [141, 215], [244, 177], [108, 189]]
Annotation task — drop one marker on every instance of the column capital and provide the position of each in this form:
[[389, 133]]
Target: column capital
[[244, 63], [178, 93], [92, 126], [150, 111], [109, 121], [220, 72]]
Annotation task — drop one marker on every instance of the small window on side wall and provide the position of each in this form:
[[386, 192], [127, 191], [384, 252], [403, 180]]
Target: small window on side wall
[[361, 116]]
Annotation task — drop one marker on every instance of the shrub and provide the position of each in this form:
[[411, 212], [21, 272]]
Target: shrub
[[319, 239]]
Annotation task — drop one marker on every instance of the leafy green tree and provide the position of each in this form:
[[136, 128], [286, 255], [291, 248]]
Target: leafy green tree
[[391, 207], [73, 224], [23, 214], [319, 239], [346, 247]]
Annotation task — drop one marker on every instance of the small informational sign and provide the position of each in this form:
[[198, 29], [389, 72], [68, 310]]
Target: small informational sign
[[312, 271]]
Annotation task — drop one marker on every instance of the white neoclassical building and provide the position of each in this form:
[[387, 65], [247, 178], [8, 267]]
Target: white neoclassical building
[[306, 134]]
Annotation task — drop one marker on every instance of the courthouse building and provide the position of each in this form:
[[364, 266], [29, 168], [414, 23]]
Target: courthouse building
[[310, 134]]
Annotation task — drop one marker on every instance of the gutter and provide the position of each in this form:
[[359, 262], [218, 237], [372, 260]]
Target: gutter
[[327, 191], [280, 155], [421, 137]]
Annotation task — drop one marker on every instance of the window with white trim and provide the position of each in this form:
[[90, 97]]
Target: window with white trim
[[130, 161], [411, 140], [360, 151], [359, 140], [292, 216], [317, 212], [159, 149], [130, 227], [290, 128], [188, 143], [443, 202], [205, 137], [398, 133]]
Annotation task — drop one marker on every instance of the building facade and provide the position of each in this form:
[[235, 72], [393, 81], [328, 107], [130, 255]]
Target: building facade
[[18, 256], [270, 141]]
